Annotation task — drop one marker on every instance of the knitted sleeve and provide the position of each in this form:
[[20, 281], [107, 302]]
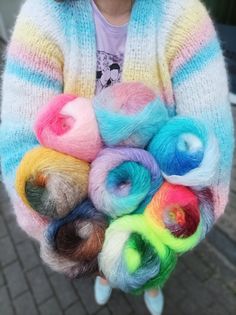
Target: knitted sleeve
[[200, 85], [32, 76]]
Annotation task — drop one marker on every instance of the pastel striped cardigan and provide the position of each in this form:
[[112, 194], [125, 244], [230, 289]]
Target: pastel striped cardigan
[[172, 46]]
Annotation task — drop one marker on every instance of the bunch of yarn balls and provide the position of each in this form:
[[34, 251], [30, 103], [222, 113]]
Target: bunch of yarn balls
[[123, 185]]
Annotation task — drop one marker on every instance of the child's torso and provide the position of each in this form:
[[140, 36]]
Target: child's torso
[[110, 43]]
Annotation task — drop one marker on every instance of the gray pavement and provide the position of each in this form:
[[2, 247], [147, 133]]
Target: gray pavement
[[203, 283]]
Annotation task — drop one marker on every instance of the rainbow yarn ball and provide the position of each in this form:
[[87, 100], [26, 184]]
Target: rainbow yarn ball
[[123, 180], [68, 125], [52, 183], [186, 152], [129, 114], [174, 215]]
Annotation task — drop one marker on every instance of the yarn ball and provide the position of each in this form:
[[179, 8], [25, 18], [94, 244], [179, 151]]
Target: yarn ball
[[68, 124], [133, 259], [52, 183], [129, 114], [77, 237], [174, 214], [123, 180], [186, 152]]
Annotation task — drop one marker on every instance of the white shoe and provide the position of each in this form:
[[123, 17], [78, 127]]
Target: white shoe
[[155, 304], [102, 292]]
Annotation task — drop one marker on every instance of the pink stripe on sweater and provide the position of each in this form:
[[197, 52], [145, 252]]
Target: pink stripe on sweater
[[204, 33], [27, 58]]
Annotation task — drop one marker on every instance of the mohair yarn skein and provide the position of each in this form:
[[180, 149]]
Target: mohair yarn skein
[[58, 263], [129, 114], [68, 125], [123, 180], [174, 215], [186, 151], [133, 259], [77, 237], [52, 183]]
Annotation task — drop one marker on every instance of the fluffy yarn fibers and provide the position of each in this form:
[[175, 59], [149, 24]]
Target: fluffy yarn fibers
[[68, 124], [133, 258], [123, 180], [186, 152], [78, 237], [50, 182], [129, 114], [174, 214]]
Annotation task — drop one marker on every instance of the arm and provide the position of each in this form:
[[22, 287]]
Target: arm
[[200, 86], [32, 76]]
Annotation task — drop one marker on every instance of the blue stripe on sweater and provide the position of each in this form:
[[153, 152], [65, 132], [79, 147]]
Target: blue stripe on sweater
[[197, 62], [16, 140], [14, 67]]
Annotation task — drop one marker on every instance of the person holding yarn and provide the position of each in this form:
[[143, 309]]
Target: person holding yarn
[[71, 47]]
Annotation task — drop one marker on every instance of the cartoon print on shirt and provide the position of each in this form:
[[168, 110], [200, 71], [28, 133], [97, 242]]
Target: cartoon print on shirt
[[109, 69]]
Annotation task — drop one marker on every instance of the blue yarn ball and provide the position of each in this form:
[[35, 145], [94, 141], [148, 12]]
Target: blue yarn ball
[[180, 145]]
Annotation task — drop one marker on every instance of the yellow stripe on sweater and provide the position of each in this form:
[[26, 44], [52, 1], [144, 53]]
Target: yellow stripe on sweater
[[184, 27], [27, 34]]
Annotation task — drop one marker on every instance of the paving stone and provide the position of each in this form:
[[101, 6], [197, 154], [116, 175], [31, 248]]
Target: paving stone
[[15, 279], [7, 251], [222, 268], [24, 304], [217, 309], [117, 298], [180, 267], [173, 286], [197, 291], [39, 284], [104, 311], [51, 307], [137, 304], [17, 233], [5, 302], [28, 256], [227, 224], [197, 266], [76, 309], [64, 290], [227, 298], [6, 209], [84, 288], [3, 230], [2, 281], [225, 245], [48, 270], [3, 195], [171, 309], [188, 306], [208, 255]]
